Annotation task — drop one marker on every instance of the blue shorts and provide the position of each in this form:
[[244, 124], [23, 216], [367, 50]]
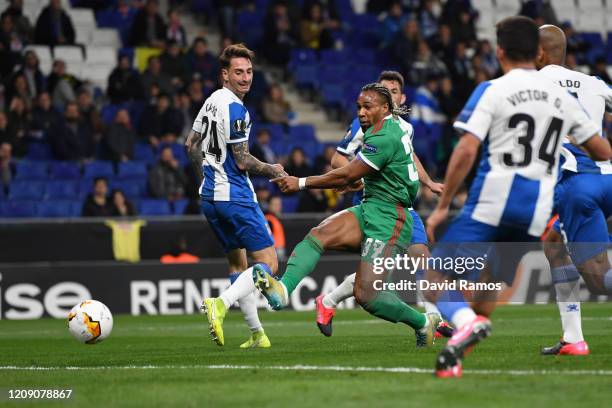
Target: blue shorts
[[419, 236], [584, 202], [238, 225], [501, 248]]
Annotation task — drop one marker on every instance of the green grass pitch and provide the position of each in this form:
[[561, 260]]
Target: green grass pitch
[[171, 361]]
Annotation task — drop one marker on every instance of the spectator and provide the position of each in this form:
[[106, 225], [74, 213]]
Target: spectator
[[154, 75], [599, 70], [262, 192], [54, 26], [61, 85], [297, 165], [488, 59], [11, 43], [312, 201], [443, 44], [314, 30], [539, 10], [462, 71], [89, 112], [19, 88], [405, 45], [450, 105], [97, 203], [261, 148], [166, 178], [202, 62], [178, 254], [280, 35], [183, 107], [196, 96], [227, 16], [124, 82], [176, 31], [21, 22], [273, 215], [4, 138], [6, 158], [121, 206], [428, 116], [19, 122], [119, 138], [393, 23], [323, 160], [148, 29], [72, 139], [274, 106], [44, 117], [174, 65], [34, 77], [160, 121], [463, 29], [426, 64], [428, 20], [328, 11]]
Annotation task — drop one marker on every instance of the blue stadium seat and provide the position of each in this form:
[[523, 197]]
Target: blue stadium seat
[[13, 209], [65, 170], [333, 57], [290, 203], [98, 169], [39, 151], [154, 207], [277, 133], [180, 206], [306, 76], [62, 190], [27, 190], [299, 133], [132, 189], [59, 208], [85, 188], [31, 170], [331, 74], [333, 95], [302, 56], [108, 113], [132, 170], [251, 27], [144, 153]]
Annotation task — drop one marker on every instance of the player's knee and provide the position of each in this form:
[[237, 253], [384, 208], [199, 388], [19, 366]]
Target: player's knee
[[593, 272], [363, 296]]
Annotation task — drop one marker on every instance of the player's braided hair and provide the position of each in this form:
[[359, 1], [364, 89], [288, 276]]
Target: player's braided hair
[[385, 94]]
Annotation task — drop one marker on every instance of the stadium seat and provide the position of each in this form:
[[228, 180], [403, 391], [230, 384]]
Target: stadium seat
[[26, 190], [31, 170], [290, 203], [132, 170], [154, 207], [102, 55], [302, 56], [83, 34], [302, 133], [12, 209], [595, 5], [144, 153], [65, 170], [62, 190], [105, 37], [306, 76], [333, 95], [132, 189], [59, 208], [69, 53], [97, 73], [180, 206], [98, 169], [39, 151], [82, 17]]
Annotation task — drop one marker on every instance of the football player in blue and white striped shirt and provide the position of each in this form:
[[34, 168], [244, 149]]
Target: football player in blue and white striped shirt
[[583, 199], [218, 144]]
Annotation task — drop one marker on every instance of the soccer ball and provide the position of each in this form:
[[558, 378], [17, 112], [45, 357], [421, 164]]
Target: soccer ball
[[90, 322]]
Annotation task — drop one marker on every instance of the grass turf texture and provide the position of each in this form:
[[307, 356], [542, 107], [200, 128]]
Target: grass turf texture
[[182, 342]]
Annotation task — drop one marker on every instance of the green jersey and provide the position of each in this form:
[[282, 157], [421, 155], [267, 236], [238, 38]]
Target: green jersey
[[387, 147]]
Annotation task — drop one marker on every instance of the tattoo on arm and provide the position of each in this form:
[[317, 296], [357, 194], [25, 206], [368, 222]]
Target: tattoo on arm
[[194, 150], [247, 162]]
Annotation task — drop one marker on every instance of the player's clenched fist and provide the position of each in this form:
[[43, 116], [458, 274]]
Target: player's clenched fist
[[280, 171], [287, 184]]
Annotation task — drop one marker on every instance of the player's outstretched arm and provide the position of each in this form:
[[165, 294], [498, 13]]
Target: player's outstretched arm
[[426, 181], [459, 166], [341, 177], [339, 160], [598, 148], [246, 162]]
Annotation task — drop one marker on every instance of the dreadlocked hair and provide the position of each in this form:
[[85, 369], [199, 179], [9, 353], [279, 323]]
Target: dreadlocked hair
[[385, 94]]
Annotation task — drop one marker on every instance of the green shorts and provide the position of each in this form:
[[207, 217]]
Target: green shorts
[[386, 228]]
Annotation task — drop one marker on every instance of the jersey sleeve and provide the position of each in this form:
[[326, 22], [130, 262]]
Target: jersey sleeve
[[237, 127], [477, 114], [197, 123], [351, 144], [377, 151], [582, 128], [606, 90]]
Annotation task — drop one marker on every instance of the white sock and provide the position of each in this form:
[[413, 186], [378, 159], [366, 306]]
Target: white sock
[[569, 308], [463, 316], [343, 291], [242, 287], [248, 305]]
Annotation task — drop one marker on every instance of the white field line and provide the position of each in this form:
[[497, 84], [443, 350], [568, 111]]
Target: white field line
[[404, 370]]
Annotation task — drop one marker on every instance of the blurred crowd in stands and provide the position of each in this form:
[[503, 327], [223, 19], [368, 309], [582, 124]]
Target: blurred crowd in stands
[[140, 116]]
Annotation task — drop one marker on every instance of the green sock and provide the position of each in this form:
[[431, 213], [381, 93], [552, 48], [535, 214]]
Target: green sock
[[388, 306], [302, 261]]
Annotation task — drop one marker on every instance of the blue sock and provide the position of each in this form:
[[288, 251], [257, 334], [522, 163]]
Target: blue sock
[[608, 280], [449, 302], [233, 276], [565, 273]]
